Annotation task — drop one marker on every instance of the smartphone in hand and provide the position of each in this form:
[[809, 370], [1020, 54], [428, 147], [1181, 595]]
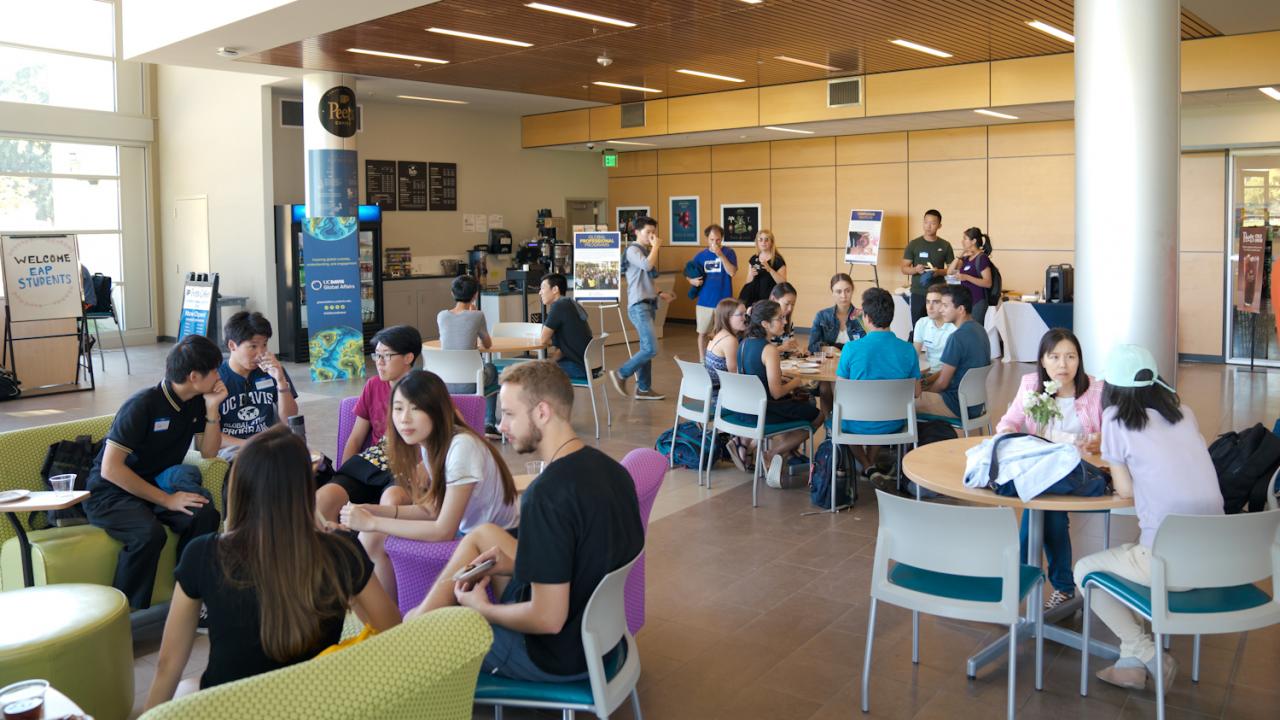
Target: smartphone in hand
[[473, 572]]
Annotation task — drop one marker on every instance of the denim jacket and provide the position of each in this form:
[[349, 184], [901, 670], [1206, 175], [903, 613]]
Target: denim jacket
[[826, 328]]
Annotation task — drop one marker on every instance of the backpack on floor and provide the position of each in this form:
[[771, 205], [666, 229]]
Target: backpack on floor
[[1245, 462], [10, 385], [820, 484], [688, 439]]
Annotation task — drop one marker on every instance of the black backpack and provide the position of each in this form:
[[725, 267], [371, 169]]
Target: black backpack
[[1245, 462], [10, 385], [997, 287], [101, 294], [70, 457]]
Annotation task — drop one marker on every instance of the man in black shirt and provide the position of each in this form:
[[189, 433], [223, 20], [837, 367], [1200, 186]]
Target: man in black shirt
[[139, 485], [579, 521], [565, 326]]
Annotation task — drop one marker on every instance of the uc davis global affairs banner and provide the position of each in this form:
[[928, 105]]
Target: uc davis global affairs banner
[[332, 282]]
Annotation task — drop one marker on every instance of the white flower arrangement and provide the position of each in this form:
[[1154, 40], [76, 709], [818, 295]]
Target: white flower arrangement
[[1042, 407]]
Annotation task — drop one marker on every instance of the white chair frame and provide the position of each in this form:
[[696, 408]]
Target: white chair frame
[[746, 394], [455, 366], [696, 386], [596, 345], [873, 401]]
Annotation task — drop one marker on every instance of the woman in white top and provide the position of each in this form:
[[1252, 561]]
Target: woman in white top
[[448, 479]]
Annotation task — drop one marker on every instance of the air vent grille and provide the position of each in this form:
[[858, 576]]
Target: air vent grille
[[633, 115], [844, 92]]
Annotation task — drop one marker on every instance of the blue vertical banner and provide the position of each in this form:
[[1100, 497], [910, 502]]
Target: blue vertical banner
[[330, 258], [333, 175]]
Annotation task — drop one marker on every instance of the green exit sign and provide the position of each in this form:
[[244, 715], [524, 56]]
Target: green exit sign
[[610, 159]]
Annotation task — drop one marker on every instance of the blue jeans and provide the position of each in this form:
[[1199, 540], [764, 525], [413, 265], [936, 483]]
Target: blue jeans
[[575, 370], [1057, 547], [182, 478], [642, 314]]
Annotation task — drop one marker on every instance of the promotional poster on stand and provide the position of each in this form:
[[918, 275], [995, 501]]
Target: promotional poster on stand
[[597, 265]]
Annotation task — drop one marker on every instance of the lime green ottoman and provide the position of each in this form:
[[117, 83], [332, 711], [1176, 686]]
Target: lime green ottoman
[[77, 637]]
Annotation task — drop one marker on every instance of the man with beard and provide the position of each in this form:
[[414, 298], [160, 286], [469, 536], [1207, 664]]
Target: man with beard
[[579, 521]]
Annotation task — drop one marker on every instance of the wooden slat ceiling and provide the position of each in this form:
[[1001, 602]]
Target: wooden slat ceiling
[[726, 37]]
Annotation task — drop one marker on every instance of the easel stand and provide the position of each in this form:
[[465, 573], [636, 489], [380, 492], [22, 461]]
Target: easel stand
[[9, 358], [875, 271], [1253, 342], [622, 321]]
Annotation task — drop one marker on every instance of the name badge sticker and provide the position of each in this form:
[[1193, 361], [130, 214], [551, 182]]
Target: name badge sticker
[[924, 254], [161, 425], [265, 384]]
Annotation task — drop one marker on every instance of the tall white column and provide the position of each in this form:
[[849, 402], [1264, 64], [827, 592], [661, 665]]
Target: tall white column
[[329, 124], [1127, 147]]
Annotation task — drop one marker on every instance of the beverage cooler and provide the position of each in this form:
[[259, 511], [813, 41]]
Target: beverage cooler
[[291, 285]]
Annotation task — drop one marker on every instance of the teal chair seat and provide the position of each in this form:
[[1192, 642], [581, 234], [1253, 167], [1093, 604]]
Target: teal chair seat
[[960, 587], [496, 687], [1201, 600], [503, 363], [738, 418]]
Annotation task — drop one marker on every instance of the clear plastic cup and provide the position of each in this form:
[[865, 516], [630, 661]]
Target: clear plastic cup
[[63, 483], [534, 467]]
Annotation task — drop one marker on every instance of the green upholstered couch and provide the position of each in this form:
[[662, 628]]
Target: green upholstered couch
[[424, 669], [82, 553]]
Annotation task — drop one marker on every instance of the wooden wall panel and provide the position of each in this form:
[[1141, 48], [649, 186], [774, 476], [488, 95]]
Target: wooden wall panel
[[1023, 270], [606, 121], [1047, 78], [875, 187], [673, 257], [713, 111], [684, 160], [626, 191], [953, 87], [809, 152], [1202, 211], [742, 156], [1032, 202], [809, 269], [949, 144], [630, 164], [571, 126], [1023, 139], [1200, 303], [746, 186], [867, 149], [1231, 61], [803, 201], [956, 188], [801, 102]]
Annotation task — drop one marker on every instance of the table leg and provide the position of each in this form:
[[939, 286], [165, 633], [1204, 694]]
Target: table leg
[[24, 547]]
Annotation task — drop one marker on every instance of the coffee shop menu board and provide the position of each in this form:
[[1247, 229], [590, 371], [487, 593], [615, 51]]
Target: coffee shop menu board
[[412, 185], [444, 186], [380, 183]]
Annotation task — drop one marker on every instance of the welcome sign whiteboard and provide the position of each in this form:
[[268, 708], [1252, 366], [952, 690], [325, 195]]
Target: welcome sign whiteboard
[[41, 277]]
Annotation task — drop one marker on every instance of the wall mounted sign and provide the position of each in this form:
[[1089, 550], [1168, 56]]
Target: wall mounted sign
[[337, 111], [380, 183], [443, 185], [412, 185], [684, 220], [627, 220], [741, 222]]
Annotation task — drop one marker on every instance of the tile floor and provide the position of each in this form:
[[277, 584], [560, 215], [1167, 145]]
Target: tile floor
[[761, 613]]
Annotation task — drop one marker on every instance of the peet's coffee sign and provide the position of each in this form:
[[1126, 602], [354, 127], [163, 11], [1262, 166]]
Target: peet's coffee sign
[[338, 111]]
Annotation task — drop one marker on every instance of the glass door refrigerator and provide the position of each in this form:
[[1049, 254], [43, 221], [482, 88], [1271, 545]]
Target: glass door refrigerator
[[291, 281]]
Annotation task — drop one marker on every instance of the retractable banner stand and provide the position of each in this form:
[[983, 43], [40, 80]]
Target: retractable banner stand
[[198, 294], [597, 265], [330, 247]]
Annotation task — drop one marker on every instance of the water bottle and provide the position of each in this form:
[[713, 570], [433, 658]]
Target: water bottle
[[298, 426]]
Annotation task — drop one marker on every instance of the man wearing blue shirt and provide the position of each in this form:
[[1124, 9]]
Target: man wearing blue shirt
[[878, 356], [718, 264], [259, 392], [966, 349]]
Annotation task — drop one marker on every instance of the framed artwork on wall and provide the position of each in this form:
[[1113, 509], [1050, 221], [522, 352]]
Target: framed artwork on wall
[[741, 222], [626, 220], [684, 220]]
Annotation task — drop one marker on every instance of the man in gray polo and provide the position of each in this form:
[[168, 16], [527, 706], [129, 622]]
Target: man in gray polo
[[641, 261]]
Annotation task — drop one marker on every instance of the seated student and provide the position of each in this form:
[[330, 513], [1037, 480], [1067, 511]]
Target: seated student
[[579, 521], [565, 326], [784, 294], [259, 391], [138, 485], [931, 332], [363, 475], [760, 357], [1158, 458], [967, 348], [839, 324], [878, 356], [462, 327], [449, 480], [277, 588], [728, 325], [1079, 400]]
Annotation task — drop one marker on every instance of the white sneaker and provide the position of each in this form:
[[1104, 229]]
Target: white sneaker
[[619, 383], [773, 477]]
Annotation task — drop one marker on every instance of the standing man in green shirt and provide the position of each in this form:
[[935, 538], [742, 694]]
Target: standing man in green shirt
[[925, 259]]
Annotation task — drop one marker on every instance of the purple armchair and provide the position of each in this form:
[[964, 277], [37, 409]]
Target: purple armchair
[[648, 469], [471, 407]]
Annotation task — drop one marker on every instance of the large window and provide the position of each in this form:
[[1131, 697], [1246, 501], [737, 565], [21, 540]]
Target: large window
[[50, 186], [58, 52]]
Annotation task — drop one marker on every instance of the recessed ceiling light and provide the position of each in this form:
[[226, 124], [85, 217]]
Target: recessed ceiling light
[[439, 100], [753, 2], [626, 142], [580, 15], [797, 61], [1270, 92], [398, 56], [790, 130], [994, 114], [712, 76], [1051, 30], [473, 36], [921, 48], [621, 86]]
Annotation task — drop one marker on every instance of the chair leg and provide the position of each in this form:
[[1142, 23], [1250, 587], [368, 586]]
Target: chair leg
[[1167, 641], [915, 637], [835, 463], [128, 369], [635, 705], [671, 454], [102, 354], [1106, 530], [702, 443], [1195, 659], [566, 714], [1013, 668], [608, 414], [755, 474], [1084, 644], [866, 658], [1159, 679], [1039, 598], [497, 712]]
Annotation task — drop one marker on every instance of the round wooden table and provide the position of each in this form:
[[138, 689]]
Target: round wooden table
[[940, 467], [503, 345]]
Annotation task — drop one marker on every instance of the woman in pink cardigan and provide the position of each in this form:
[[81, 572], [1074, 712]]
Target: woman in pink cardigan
[[1080, 403]]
